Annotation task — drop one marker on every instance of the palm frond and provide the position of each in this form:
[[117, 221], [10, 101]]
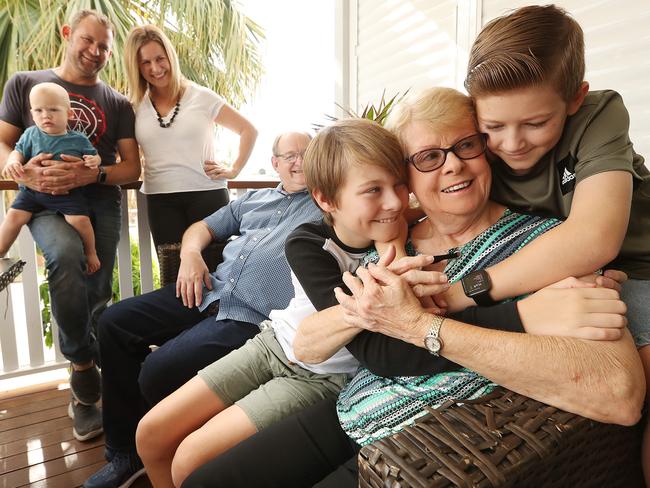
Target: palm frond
[[217, 45]]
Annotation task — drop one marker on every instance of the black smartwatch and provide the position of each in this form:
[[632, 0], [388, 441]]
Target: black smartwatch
[[101, 176], [477, 286]]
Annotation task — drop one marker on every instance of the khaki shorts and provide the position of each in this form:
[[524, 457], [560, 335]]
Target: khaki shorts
[[259, 379]]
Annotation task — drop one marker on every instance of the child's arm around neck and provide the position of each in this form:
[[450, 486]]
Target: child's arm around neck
[[587, 240]]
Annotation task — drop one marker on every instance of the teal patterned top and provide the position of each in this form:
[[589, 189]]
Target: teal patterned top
[[371, 407]]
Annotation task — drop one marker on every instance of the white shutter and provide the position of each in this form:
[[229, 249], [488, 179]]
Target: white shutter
[[401, 45], [396, 45], [617, 51]]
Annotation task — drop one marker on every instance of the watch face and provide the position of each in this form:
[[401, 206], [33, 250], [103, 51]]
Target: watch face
[[433, 344], [476, 283]]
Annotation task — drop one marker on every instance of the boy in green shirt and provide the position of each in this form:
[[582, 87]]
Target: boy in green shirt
[[561, 150]]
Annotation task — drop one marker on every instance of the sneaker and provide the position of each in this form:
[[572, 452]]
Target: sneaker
[[121, 472], [86, 385], [109, 453], [86, 420]]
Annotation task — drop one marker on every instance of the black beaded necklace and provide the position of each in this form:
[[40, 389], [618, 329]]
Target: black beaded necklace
[[162, 123]]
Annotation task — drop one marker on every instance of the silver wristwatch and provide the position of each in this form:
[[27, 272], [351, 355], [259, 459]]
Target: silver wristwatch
[[432, 340]]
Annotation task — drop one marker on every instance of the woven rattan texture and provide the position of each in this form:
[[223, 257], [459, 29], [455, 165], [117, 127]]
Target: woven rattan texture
[[169, 258], [11, 268], [507, 440]]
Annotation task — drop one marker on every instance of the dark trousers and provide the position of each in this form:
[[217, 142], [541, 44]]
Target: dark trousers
[[133, 378], [303, 450], [170, 214]]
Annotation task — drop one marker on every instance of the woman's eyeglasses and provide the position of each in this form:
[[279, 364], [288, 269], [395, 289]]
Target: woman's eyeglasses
[[434, 157]]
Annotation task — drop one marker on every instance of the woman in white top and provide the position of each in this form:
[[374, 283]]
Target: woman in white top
[[175, 124]]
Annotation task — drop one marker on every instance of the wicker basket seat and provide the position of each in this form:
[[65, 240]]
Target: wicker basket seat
[[169, 258], [10, 268], [507, 440]]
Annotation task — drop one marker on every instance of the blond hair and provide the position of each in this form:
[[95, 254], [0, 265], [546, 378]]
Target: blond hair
[[531, 46], [80, 15], [138, 86], [51, 89], [346, 143], [441, 109]]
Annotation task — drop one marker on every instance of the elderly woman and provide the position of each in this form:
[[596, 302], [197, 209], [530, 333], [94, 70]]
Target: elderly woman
[[174, 125], [451, 178]]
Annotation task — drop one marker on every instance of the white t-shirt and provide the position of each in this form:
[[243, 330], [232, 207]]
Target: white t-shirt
[[174, 155], [285, 325]]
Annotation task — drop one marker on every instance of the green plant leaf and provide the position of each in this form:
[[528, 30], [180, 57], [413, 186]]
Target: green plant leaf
[[46, 315], [218, 46], [377, 113]]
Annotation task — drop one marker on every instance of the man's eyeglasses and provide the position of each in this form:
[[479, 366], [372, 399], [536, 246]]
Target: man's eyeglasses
[[292, 157], [434, 157]]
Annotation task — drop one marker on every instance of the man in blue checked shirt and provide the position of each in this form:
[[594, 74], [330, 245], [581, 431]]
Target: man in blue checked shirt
[[204, 316]]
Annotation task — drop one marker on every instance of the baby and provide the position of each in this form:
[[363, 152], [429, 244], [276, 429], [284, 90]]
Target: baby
[[50, 108]]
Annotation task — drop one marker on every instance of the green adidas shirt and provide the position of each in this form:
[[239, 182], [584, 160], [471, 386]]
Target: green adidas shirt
[[595, 139]]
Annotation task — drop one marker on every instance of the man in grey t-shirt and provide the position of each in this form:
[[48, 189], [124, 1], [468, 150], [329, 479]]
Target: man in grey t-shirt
[[107, 119]]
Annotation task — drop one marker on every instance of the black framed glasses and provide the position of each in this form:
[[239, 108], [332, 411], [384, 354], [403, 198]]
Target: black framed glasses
[[292, 157], [434, 157]]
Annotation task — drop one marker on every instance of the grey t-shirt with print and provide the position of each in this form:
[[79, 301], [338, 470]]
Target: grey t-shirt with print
[[100, 112]]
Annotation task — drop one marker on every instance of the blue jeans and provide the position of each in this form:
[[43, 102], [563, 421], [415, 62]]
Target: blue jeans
[[133, 378], [635, 294], [78, 298]]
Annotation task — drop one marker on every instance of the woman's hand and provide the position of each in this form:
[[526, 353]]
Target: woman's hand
[[381, 301], [219, 171], [428, 285]]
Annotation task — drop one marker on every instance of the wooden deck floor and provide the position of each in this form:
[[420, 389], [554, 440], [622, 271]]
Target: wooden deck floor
[[37, 448]]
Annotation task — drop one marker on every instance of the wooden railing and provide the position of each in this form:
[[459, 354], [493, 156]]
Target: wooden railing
[[21, 327]]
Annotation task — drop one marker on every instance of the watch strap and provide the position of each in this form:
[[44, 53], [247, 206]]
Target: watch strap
[[101, 175], [484, 299]]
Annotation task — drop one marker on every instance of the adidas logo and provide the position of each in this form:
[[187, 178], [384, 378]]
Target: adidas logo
[[566, 176]]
